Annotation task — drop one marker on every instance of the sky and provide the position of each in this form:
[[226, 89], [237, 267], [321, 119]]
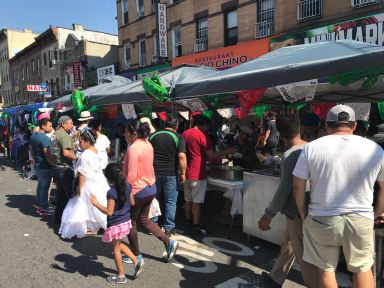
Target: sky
[[98, 15]]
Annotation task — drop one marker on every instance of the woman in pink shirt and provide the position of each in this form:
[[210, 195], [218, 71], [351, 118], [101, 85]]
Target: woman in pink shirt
[[140, 174]]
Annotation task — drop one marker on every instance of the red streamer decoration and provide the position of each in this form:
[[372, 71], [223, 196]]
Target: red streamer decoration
[[112, 111], [163, 116], [248, 99], [238, 112], [321, 109]]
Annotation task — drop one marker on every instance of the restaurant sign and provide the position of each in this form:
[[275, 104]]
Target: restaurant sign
[[223, 58], [369, 29]]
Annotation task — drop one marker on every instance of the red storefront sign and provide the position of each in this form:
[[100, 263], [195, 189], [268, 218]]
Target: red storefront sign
[[226, 57], [76, 66]]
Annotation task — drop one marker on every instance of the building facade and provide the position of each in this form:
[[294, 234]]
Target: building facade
[[226, 33], [52, 59], [11, 42]]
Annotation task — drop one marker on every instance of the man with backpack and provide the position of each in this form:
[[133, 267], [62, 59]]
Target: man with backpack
[[61, 157], [169, 155]]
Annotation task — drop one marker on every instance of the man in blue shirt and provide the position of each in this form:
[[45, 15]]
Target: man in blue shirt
[[38, 144]]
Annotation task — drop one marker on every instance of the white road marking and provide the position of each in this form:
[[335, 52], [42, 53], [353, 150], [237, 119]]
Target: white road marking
[[232, 283], [244, 250], [209, 266]]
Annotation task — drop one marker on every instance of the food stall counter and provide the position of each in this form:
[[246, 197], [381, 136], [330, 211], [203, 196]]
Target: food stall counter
[[258, 191]]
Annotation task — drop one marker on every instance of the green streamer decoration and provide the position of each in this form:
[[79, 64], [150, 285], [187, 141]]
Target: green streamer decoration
[[31, 126], [146, 110], [78, 101], [380, 106], [155, 88], [296, 106], [208, 113], [370, 77], [260, 110]]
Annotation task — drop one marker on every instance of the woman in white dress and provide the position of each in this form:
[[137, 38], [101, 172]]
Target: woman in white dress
[[103, 145], [80, 217]]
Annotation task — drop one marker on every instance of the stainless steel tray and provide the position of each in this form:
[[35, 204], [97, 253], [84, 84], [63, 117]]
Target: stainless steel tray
[[225, 172]]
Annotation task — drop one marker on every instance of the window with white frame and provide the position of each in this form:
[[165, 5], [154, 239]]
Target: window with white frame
[[142, 56], [33, 67], [265, 18], [230, 28], [140, 8], [176, 42], [363, 3], [22, 72], [127, 56], [124, 12], [27, 71], [201, 43], [309, 9]]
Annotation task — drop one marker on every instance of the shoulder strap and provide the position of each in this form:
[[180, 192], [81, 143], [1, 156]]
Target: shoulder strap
[[173, 135]]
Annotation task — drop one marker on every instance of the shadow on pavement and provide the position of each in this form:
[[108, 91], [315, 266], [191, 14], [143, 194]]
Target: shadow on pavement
[[24, 203], [86, 265]]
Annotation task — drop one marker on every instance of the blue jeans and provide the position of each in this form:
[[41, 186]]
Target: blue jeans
[[44, 177], [167, 195]]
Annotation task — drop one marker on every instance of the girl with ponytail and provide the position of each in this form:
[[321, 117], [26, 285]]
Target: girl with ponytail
[[118, 220]]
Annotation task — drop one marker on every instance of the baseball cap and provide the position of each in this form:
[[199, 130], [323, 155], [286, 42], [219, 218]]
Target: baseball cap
[[341, 114], [63, 119], [146, 120], [43, 116]]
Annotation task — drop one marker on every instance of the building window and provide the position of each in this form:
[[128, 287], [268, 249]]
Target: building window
[[176, 42], [22, 72], [201, 43], [142, 58], [33, 67], [174, 1], [362, 3], [140, 8], [154, 3], [50, 58], [27, 71], [265, 18], [309, 9], [58, 86], [45, 60], [127, 56], [38, 66], [230, 25], [124, 12], [52, 86]]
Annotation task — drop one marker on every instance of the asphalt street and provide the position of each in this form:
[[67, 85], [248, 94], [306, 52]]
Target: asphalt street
[[33, 254]]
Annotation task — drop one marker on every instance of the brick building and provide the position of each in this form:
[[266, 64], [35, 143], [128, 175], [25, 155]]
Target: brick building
[[51, 59], [11, 42], [225, 33]]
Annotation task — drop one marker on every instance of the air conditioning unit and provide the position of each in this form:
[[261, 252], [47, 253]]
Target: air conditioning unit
[[155, 59], [54, 62]]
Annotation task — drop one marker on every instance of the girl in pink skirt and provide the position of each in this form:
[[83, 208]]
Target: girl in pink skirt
[[118, 220]]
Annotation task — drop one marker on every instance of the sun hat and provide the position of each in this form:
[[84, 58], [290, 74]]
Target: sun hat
[[84, 116], [148, 121], [342, 114]]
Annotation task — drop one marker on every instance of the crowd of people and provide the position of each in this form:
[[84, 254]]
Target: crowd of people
[[326, 186]]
